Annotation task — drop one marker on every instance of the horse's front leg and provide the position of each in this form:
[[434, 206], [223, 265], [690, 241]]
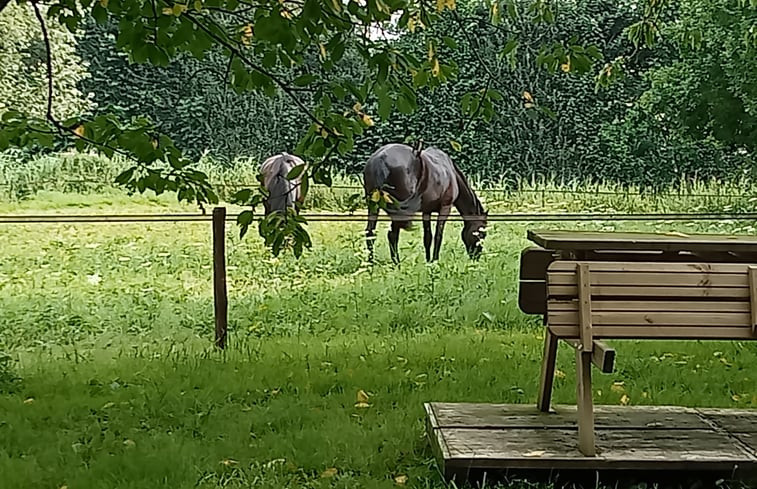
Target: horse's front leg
[[370, 234], [427, 235], [394, 238], [440, 222]]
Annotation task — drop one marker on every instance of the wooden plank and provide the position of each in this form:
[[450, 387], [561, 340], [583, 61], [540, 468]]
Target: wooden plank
[[618, 449], [602, 356], [547, 376], [561, 305], [654, 292], [568, 266], [582, 240], [585, 402], [435, 437], [639, 318], [584, 279], [522, 416], [661, 279], [733, 420], [693, 332]]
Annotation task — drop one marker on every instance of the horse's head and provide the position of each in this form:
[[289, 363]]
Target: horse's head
[[474, 232]]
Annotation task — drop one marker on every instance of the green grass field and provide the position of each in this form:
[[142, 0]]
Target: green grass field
[[108, 378]]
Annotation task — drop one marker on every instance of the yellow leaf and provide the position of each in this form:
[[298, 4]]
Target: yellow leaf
[[435, 68], [400, 480], [362, 396], [367, 120], [228, 462], [178, 9], [29, 401], [167, 11], [430, 51], [528, 97], [617, 387], [198, 5], [286, 14], [442, 4], [559, 374], [79, 131], [625, 400], [387, 197], [155, 144], [357, 107], [108, 405], [565, 66], [455, 145], [328, 473], [129, 443], [411, 24], [323, 50], [529, 105], [736, 397], [362, 405], [376, 195], [104, 3]]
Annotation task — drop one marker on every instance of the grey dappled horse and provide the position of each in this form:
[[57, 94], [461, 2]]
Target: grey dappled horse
[[282, 193], [423, 181]]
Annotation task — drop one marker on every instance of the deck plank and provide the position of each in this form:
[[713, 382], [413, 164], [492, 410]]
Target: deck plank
[[506, 437], [524, 416]]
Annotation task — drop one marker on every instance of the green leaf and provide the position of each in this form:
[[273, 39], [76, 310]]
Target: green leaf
[[295, 172]]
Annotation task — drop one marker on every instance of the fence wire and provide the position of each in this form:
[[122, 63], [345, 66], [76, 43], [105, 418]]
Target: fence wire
[[337, 217]]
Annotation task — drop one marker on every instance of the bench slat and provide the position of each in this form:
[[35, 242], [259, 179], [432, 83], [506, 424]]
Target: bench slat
[[638, 318], [655, 267], [693, 332], [692, 279], [653, 291], [558, 305]]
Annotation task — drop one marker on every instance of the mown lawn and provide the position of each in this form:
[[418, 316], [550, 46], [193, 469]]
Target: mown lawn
[[108, 377]]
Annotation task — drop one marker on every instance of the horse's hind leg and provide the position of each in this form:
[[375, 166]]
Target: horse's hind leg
[[427, 237], [370, 234], [394, 238]]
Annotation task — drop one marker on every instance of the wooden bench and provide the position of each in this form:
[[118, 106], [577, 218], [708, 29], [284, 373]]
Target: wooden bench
[[588, 301]]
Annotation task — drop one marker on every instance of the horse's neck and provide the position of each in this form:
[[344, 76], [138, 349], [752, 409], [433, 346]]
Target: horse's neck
[[467, 203]]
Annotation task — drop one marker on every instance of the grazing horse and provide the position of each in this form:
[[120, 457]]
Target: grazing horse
[[423, 181], [282, 193]]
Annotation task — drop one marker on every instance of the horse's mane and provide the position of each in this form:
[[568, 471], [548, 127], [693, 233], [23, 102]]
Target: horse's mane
[[461, 176]]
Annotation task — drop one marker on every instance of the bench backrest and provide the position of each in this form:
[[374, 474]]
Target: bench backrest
[[648, 300]]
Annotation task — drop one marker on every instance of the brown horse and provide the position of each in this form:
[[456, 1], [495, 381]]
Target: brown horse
[[422, 181], [282, 193]]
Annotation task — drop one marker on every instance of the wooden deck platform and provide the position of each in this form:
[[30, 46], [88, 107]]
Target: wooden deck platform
[[472, 439]]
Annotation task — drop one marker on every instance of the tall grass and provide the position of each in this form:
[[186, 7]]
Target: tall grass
[[87, 174]]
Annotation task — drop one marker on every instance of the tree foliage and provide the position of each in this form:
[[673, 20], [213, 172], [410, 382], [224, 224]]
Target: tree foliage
[[22, 66]]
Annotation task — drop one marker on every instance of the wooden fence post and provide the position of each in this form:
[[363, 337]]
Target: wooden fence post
[[219, 275]]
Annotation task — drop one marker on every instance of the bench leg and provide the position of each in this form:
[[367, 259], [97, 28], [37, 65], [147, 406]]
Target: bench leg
[[585, 404], [547, 371]]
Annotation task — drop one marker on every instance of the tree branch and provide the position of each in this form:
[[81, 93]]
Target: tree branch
[[48, 60], [237, 52]]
